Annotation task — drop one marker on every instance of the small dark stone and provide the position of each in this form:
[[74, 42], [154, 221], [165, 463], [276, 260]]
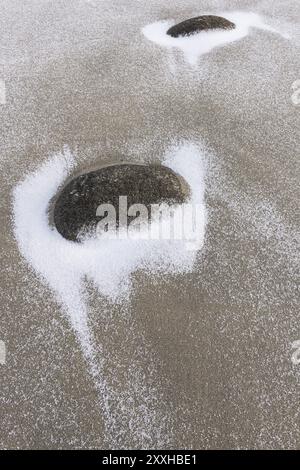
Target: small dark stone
[[76, 205], [199, 23]]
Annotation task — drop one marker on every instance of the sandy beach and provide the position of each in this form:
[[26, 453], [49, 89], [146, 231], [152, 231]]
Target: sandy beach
[[197, 358]]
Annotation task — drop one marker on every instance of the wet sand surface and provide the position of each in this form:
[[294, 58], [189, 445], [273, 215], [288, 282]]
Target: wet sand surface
[[199, 360]]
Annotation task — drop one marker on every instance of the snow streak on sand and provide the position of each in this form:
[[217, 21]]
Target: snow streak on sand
[[196, 45], [109, 264]]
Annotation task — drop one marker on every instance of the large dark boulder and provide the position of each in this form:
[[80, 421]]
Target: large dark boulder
[[76, 205], [199, 23]]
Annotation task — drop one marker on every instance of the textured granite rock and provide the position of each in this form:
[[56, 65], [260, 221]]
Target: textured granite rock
[[76, 205], [199, 23]]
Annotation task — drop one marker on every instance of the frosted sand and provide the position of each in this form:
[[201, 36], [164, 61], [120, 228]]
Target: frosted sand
[[192, 358], [109, 264]]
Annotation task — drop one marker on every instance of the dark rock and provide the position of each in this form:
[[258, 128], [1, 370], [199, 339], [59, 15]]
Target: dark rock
[[76, 205], [199, 23]]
